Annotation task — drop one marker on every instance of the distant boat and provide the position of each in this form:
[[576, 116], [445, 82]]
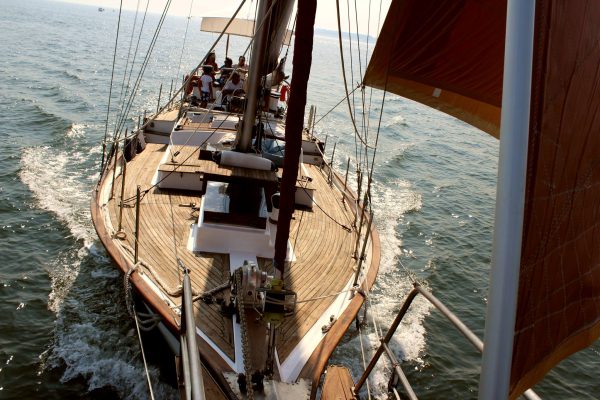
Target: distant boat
[[100, 9]]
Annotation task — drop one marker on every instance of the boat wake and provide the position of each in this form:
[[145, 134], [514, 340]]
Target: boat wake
[[393, 200], [93, 337]]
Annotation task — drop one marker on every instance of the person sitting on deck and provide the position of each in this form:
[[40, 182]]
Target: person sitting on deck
[[234, 86], [226, 70], [241, 67], [206, 89]]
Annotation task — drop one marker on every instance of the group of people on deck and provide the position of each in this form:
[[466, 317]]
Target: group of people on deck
[[231, 80]]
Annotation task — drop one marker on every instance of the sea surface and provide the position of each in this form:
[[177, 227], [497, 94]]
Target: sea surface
[[64, 331]]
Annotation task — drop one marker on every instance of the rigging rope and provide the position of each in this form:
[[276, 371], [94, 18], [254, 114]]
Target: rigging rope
[[344, 75], [137, 327], [364, 361], [334, 107], [189, 78], [346, 228], [362, 92], [110, 89], [267, 15], [137, 45], [128, 289], [123, 116], [121, 98], [184, 38], [136, 85], [368, 36]]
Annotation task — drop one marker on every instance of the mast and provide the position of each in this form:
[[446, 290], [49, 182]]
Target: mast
[[271, 23], [510, 199], [303, 44]]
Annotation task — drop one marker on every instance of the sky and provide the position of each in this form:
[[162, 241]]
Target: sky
[[326, 10]]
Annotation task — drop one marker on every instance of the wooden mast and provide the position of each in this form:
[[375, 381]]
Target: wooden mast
[[303, 44]]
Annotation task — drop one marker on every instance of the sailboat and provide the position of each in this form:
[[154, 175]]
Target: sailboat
[[252, 267], [526, 72]]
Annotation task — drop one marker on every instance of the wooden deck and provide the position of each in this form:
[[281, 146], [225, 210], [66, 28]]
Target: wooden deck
[[323, 249], [188, 161], [338, 384]]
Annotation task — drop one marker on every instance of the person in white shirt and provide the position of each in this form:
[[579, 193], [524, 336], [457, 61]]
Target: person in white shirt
[[206, 90], [234, 86]]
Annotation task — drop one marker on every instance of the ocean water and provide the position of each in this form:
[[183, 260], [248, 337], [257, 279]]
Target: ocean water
[[64, 332]]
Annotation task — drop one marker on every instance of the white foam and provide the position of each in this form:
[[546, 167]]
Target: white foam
[[76, 130], [396, 120], [87, 344], [56, 179], [391, 201], [84, 351]]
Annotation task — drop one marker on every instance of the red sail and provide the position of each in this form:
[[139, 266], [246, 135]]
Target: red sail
[[449, 55], [558, 311]]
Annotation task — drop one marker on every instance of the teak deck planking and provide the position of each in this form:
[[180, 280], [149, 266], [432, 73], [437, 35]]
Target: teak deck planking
[[322, 247]]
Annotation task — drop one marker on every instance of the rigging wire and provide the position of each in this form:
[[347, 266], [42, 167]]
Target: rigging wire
[[184, 38], [111, 86], [364, 361], [175, 96], [364, 131], [137, 327], [346, 228], [370, 179], [134, 57], [249, 49], [368, 36], [205, 57], [357, 39], [360, 72], [145, 63], [338, 103], [353, 110], [128, 57], [351, 55], [344, 75], [142, 69], [292, 32], [366, 56], [267, 15]]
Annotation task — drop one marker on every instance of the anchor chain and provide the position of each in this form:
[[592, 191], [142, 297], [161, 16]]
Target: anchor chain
[[243, 328]]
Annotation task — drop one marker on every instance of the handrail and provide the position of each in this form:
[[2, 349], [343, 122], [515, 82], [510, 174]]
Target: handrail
[[460, 326], [194, 386]]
